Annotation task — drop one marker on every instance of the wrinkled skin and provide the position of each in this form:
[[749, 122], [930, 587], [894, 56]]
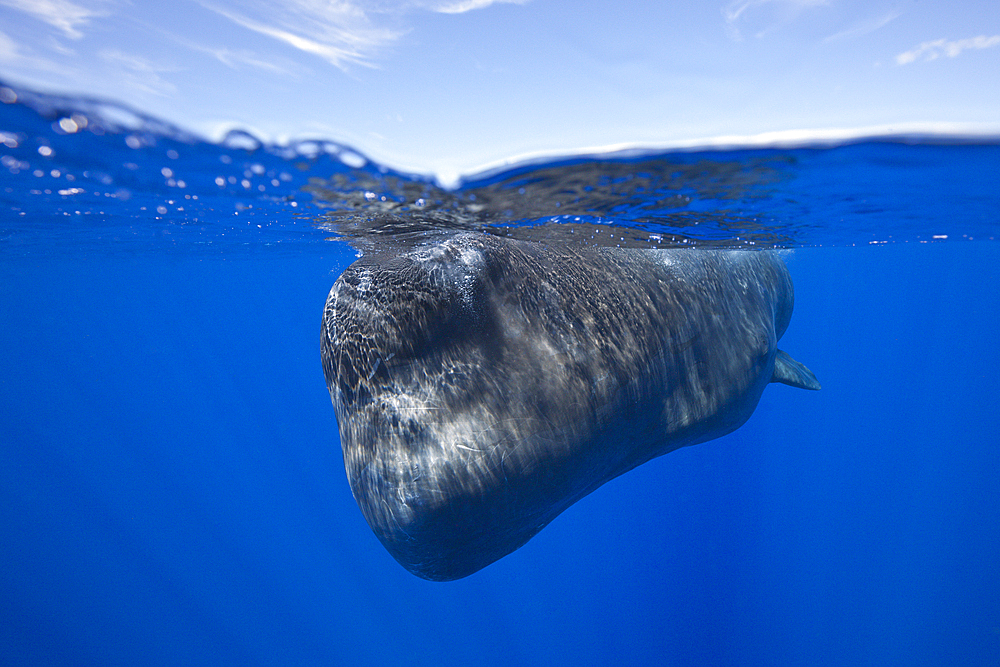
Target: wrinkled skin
[[484, 385]]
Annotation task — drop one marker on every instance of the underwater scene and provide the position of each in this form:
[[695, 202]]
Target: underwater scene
[[172, 475]]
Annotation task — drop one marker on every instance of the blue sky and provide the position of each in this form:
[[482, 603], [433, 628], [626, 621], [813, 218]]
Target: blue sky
[[449, 86]]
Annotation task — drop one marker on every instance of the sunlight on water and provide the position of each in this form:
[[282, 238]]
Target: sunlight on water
[[93, 174]]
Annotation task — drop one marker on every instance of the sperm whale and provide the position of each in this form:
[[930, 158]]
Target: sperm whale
[[482, 385]]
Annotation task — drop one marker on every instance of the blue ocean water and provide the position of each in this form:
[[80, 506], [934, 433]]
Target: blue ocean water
[[171, 485]]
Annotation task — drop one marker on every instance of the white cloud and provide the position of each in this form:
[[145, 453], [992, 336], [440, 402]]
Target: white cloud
[[863, 28], [8, 49], [342, 32], [138, 73], [942, 47], [734, 10], [337, 31], [61, 14], [234, 59], [14, 56], [462, 6], [738, 12]]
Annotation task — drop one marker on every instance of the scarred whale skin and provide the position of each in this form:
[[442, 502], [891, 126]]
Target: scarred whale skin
[[483, 385]]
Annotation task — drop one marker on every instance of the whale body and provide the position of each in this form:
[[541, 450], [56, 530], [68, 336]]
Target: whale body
[[483, 385]]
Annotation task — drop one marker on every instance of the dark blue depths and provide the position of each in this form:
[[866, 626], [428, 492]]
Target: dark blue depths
[[172, 492]]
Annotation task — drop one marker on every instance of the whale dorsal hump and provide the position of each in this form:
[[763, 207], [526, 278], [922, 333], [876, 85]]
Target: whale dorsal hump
[[789, 371]]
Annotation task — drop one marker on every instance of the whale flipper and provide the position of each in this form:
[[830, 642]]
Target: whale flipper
[[791, 372]]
